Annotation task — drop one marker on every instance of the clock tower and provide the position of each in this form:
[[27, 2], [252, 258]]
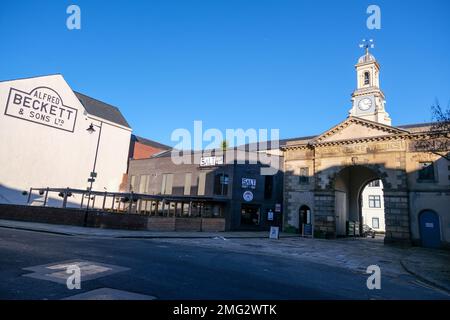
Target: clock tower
[[368, 100]]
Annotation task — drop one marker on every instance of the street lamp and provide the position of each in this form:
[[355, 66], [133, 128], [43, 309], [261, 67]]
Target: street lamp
[[93, 175]]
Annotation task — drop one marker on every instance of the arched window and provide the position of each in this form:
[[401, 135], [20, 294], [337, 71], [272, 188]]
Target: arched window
[[366, 78]]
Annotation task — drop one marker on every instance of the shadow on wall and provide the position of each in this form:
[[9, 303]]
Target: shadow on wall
[[12, 196], [21, 197]]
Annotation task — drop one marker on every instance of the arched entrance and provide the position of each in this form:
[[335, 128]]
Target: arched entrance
[[304, 217], [349, 186], [430, 230]]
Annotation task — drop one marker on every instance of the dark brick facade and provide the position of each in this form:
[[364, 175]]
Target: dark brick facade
[[232, 202]]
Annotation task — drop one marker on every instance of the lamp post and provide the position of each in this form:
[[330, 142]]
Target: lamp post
[[93, 174], [224, 146]]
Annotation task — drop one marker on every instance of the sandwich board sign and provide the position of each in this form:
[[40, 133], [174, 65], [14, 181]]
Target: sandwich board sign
[[274, 232]]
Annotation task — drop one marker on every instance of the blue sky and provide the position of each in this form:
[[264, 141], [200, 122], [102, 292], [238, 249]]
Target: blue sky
[[232, 63]]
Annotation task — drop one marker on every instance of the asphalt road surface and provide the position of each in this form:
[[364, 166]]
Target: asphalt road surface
[[179, 270]]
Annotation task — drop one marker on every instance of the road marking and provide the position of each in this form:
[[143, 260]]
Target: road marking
[[56, 272], [109, 294]]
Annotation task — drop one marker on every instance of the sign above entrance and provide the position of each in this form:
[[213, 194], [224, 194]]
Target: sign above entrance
[[43, 106], [210, 161], [248, 183]]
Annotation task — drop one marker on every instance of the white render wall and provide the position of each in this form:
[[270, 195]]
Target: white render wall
[[369, 213], [35, 155]]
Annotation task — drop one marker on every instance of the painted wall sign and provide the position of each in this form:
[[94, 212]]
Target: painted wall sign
[[248, 196], [210, 161], [42, 105], [248, 183]]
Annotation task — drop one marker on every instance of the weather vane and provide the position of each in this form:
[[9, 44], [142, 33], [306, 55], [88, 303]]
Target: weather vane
[[367, 44]]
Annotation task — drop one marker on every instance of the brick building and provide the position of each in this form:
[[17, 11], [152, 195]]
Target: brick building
[[142, 148], [235, 192]]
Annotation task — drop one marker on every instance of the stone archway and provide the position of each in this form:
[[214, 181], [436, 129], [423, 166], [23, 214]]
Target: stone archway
[[348, 185], [338, 202]]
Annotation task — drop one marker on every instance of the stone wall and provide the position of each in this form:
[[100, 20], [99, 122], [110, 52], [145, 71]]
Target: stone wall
[[324, 215], [396, 211]]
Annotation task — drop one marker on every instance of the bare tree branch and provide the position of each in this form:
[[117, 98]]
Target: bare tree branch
[[438, 140]]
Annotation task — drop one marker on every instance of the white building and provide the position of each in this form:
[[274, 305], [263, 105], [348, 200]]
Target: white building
[[44, 141], [373, 206]]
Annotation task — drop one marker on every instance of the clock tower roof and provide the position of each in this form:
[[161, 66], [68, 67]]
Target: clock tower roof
[[367, 58]]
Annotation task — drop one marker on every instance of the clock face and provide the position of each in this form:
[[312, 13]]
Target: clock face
[[364, 104]]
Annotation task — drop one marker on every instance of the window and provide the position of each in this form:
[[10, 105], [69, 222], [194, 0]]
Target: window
[[426, 171], [187, 184], [143, 184], [221, 184], [268, 187], [374, 202], [201, 184], [366, 78], [375, 223], [133, 183], [167, 182], [304, 175], [375, 183]]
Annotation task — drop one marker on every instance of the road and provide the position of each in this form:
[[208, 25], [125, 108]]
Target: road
[[179, 269]]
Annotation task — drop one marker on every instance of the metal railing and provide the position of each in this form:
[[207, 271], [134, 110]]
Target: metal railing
[[130, 202]]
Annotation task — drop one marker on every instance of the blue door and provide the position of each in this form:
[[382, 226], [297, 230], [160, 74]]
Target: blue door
[[430, 231]]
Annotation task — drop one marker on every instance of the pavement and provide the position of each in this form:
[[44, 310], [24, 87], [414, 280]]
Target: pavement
[[120, 233], [429, 267]]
